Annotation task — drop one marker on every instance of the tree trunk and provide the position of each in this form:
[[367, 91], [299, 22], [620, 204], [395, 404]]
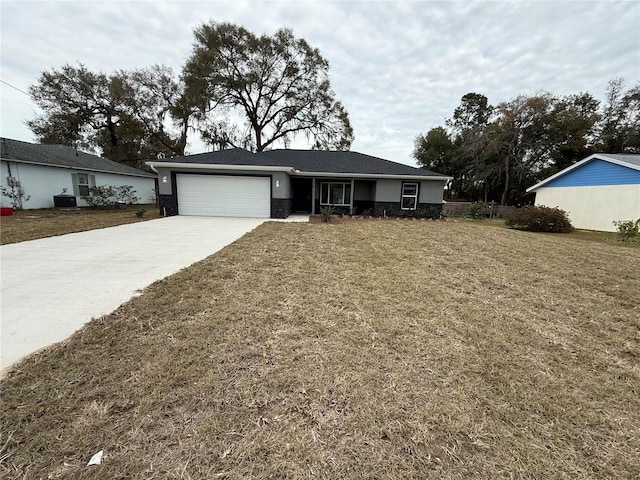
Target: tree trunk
[[182, 142], [111, 127], [258, 132], [503, 200]]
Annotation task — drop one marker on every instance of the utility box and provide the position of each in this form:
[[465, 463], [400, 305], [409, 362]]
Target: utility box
[[64, 201]]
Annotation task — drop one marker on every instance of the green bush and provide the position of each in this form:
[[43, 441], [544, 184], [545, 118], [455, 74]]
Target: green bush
[[108, 196], [125, 194], [325, 213], [477, 209], [539, 219], [628, 230], [433, 213], [100, 196]]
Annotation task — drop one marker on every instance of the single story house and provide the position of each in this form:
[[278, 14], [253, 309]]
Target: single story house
[[595, 192], [277, 183], [43, 171]]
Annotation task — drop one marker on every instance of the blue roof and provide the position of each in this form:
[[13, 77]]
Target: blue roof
[[597, 170]]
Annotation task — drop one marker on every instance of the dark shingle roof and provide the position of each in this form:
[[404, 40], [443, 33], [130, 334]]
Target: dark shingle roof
[[233, 156], [344, 162], [62, 156], [316, 161]]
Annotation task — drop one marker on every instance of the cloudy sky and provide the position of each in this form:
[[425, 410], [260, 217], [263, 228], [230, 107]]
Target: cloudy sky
[[399, 67]]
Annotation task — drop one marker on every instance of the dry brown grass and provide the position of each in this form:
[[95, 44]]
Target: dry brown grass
[[33, 224], [578, 234], [372, 349]]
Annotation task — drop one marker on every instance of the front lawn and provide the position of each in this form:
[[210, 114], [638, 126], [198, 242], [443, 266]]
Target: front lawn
[[33, 224], [370, 349]]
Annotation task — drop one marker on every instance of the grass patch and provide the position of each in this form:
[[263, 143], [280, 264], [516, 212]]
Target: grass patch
[[373, 349], [33, 224]]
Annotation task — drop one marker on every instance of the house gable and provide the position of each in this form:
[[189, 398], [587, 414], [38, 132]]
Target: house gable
[[597, 172], [627, 161]]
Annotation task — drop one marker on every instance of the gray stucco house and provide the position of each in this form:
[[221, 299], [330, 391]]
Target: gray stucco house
[[277, 183], [42, 171]]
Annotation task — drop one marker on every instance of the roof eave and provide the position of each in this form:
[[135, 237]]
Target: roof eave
[[217, 166], [372, 175], [617, 161], [290, 170]]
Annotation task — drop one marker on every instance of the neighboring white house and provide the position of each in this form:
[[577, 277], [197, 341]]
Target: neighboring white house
[[43, 171], [596, 191]]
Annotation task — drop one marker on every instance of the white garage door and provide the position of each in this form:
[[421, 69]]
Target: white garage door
[[224, 196]]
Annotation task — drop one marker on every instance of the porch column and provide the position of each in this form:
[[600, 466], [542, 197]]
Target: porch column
[[313, 196], [353, 184]]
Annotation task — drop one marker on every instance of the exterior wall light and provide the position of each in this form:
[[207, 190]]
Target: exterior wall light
[[164, 179]]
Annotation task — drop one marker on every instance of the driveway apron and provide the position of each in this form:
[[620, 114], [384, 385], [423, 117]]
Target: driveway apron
[[51, 287]]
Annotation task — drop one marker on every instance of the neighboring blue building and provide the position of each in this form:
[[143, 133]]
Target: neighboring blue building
[[596, 191]]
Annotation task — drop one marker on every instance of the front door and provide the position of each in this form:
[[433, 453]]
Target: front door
[[301, 195]]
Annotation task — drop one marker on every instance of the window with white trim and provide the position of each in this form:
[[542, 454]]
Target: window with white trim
[[409, 199], [83, 184], [335, 193]]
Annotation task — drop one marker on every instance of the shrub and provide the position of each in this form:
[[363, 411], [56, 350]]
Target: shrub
[[100, 196], [628, 230], [125, 194], [325, 213], [16, 195], [539, 219], [107, 196], [477, 209], [417, 213], [433, 213]]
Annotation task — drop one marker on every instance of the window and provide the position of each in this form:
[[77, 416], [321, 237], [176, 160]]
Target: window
[[81, 183], [334, 193], [409, 196]]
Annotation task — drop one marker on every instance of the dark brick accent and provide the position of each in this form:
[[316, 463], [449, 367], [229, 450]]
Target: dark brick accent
[[430, 208], [393, 209], [168, 205], [281, 207], [361, 206]]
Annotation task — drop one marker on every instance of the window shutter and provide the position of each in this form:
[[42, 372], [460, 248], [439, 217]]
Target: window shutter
[[92, 180], [74, 181]]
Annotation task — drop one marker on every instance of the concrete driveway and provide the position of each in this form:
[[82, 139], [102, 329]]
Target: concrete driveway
[[51, 287]]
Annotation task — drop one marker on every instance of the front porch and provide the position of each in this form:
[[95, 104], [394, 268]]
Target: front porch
[[345, 195]]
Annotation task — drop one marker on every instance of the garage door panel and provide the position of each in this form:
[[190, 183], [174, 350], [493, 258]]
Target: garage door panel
[[224, 196]]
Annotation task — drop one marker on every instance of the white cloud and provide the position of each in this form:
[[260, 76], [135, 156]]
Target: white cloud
[[400, 67]]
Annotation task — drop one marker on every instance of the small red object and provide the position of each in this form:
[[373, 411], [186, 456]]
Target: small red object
[[6, 211]]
